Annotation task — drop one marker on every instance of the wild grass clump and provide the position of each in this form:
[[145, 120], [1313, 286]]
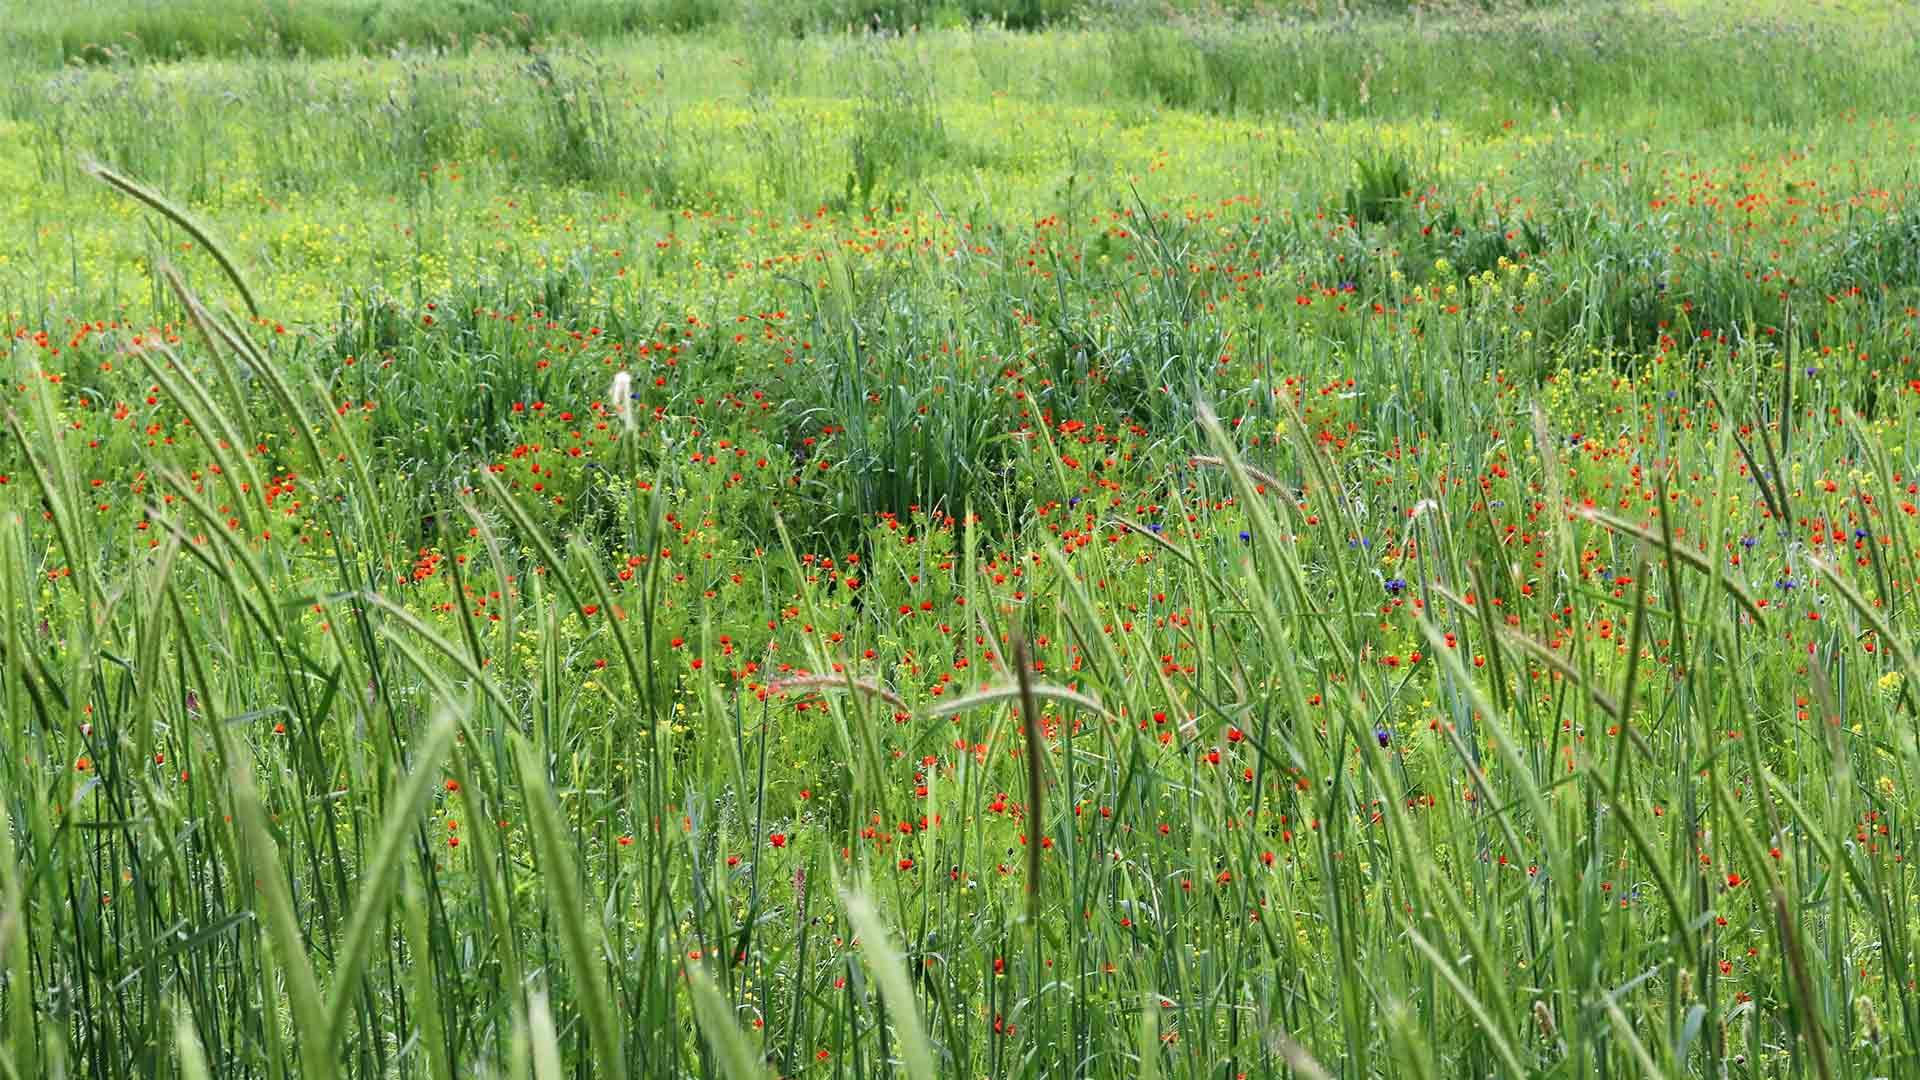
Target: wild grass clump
[[1383, 186], [897, 135]]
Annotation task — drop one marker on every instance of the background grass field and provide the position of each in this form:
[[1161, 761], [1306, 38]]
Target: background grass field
[[988, 539]]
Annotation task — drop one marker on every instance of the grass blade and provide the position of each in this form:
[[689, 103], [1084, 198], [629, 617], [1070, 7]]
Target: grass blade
[[890, 971], [584, 946], [381, 874], [738, 1059]]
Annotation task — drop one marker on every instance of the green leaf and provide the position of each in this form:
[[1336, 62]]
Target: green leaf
[[289, 950], [378, 876], [890, 971], [738, 1060], [584, 945]]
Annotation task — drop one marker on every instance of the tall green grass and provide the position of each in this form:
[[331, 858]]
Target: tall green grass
[[1108, 671], [103, 31], [220, 802]]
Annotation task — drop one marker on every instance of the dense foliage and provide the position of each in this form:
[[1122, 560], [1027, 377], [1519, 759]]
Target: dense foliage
[[1247, 541]]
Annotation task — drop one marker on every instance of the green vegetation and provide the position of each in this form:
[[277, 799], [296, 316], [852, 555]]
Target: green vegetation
[[960, 539], [97, 31]]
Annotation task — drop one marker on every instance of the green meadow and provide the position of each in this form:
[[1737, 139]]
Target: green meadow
[[989, 539]]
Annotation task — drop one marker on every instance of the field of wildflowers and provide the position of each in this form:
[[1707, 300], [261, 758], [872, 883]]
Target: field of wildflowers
[[1004, 540]]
